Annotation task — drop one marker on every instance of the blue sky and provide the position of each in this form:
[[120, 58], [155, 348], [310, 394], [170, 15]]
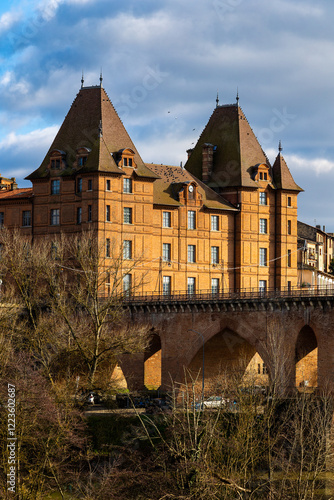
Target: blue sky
[[162, 63]]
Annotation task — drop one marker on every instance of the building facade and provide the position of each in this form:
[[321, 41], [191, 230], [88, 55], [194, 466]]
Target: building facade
[[226, 221]]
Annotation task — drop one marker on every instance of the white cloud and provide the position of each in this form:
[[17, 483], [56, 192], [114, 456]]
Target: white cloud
[[317, 165], [9, 19], [36, 139]]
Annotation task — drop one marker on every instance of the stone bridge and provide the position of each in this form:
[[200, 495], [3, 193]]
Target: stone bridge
[[285, 335]]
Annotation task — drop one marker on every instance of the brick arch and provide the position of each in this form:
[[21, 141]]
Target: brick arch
[[306, 358], [226, 358], [152, 363]]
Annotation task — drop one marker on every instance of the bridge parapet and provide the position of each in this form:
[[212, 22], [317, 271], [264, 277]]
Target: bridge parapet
[[232, 300]]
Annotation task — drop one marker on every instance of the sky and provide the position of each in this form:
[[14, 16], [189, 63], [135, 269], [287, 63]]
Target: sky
[[162, 64]]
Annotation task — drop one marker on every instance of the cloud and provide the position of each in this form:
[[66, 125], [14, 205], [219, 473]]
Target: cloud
[[9, 19], [36, 139]]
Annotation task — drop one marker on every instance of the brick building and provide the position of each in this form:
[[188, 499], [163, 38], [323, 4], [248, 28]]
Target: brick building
[[228, 220]]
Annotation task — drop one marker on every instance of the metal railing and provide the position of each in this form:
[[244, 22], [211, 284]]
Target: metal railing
[[231, 294]]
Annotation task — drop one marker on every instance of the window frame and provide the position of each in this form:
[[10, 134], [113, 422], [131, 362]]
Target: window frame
[[263, 226], [54, 216], [191, 219], [166, 252], [26, 219], [191, 252], [214, 285], [214, 255], [127, 185], [127, 249], [263, 198], [191, 285], [108, 216], [108, 247], [214, 222], [166, 219], [166, 285], [263, 257], [55, 186], [127, 215]]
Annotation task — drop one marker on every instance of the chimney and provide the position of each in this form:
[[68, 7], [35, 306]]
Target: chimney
[[318, 226], [189, 151], [207, 161], [13, 184], [324, 228]]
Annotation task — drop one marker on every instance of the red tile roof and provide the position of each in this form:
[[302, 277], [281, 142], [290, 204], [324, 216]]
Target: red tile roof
[[15, 193]]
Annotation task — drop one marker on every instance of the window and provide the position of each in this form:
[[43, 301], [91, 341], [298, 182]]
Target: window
[[289, 201], [191, 219], [79, 215], [263, 198], [108, 213], [108, 247], [262, 286], [214, 223], [127, 162], [265, 176], [166, 252], [166, 219], [215, 285], [108, 185], [127, 249], [55, 163], [79, 185], [191, 253], [263, 226], [214, 255], [263, 256], [89, 215], [82, 160], [55, 216], [289, 226], [166, 285], [55, 186], [26, 218], [261, 176], [2, 218], [90, 185], [127, 215], [127, 185], [289, 258], [127, 283], [191, 285]]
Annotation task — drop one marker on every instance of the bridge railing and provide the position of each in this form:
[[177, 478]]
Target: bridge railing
[[231, 294]]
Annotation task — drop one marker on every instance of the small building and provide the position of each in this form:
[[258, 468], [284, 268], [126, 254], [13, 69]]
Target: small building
[[315, 252]]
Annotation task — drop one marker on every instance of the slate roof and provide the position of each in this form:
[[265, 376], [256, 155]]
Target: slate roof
[[93, 122], [282, 176], [237, 149], [237, 152], [171, 181]]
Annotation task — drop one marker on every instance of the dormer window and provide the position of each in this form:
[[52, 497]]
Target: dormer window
[[126, 158], [82, 156], [260, 173], [82, 160], [127, 162], [57, 159]]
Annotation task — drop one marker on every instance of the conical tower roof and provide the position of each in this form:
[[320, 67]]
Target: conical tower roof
[[237, 149], [282, 176], [92, 122]]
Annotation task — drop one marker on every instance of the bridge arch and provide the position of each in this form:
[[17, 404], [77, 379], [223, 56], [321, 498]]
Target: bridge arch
[[229, 360], [306, 358], [152, 363]]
